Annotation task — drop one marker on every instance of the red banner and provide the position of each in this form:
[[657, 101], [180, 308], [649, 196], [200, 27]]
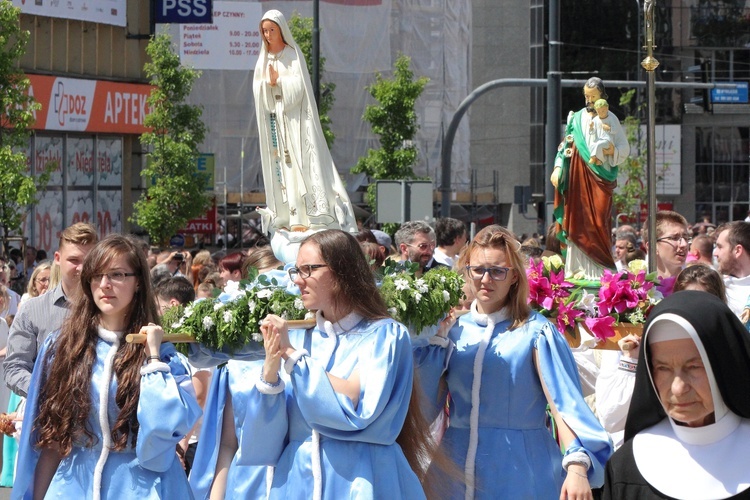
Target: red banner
[[73, 104], [205, 224]]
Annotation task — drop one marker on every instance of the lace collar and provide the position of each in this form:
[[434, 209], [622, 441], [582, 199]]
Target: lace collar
[[496, 317], [344, 325]]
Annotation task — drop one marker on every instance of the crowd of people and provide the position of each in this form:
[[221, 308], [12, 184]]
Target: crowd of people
[[494, 405]]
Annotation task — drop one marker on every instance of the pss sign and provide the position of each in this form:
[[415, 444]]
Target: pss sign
[[183, 11]]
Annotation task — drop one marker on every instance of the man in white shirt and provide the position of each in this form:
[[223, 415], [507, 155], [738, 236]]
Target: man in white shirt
[[732, 253], [451, 238]]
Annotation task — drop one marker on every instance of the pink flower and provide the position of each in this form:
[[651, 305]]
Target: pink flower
[[601, 328], [539, 286], [666, 285], [616, 293], [639, 284], [566, 316]]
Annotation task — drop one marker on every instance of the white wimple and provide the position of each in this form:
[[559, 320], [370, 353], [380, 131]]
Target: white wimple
[[471, 454], [114, 338]]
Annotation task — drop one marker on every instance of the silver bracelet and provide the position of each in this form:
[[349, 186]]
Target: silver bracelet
[[269, 384]]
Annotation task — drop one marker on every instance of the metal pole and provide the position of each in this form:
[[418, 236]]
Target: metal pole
[[242, 195], [316, 54], [554, 102], [650, 64]]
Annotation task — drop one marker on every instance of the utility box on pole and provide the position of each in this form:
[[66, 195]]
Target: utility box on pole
[[402, 201]]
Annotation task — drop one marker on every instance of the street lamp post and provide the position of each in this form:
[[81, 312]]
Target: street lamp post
[[650, 64]]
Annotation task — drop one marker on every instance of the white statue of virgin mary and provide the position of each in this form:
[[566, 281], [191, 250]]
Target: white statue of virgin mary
[[304, 192]]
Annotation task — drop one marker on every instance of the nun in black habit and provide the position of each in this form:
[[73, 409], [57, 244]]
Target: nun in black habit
[[687, 434]]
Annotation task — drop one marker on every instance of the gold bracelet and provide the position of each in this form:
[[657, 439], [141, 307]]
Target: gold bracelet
[[579, 474]]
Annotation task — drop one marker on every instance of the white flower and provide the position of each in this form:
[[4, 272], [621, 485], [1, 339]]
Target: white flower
[[232, 288], [227, 316], [446, 296], [401, 284], [420, 285], [655, 296], [285, 315], [553, 262], [176, 325], [393, 311], [257, 337], [265, 293], [442, 279], [251, 305], [637, 265], [569, 138], [588, 303], [188, 312], [298, 304], [207, 322], [568, 152], [417, 297]]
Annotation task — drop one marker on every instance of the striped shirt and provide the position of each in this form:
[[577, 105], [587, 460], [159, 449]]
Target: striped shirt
[[36, 318]]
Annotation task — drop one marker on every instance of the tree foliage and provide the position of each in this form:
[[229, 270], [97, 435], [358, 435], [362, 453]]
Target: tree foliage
[[177, 191], [301, 28], [631, 189], [394, 119], [17, 188]]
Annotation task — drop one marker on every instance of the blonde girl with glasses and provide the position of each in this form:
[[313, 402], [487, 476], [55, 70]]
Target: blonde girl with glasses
[[502, 365], [39, 282]]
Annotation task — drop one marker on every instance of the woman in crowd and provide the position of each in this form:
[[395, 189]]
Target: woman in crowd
[[340, 420], [103, 416], [216, 471], [688, 428], [502, 364], [39, 281], [230, 268], [614, 386]]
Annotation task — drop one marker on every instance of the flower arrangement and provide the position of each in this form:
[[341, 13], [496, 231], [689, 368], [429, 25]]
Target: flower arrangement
[[423, 301], [233, 318], [623, 297]]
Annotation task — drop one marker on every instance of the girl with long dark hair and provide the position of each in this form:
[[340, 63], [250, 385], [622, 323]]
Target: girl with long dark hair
[[103, 416], [340, 420]]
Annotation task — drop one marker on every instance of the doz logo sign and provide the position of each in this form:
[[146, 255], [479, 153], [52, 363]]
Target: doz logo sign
[[184, 11], [71, 104]]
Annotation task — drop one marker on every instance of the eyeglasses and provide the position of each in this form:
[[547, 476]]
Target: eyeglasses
[[675, 240], [42, 280], [304, 272], [496, 273], [423, 247], [115, 277]]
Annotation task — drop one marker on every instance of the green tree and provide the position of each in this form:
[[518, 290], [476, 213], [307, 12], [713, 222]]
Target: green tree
[[17, 188], [301, 28], [178, 191], [394, 119], [631, 189]]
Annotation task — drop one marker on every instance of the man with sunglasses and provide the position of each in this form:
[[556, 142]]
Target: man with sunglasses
[[732, 252], [416, 243]]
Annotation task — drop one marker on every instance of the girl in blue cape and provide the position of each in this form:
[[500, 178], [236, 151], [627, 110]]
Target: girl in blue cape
[[332, 421], [103, 416], [502, 364]]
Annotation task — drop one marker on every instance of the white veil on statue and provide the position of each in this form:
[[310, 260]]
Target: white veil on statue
[[303, 189]]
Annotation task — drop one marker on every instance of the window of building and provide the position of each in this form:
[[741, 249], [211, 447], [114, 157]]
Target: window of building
[[722, 173], [85, 185]]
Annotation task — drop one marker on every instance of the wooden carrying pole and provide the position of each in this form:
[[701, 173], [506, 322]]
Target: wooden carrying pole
[[184, 338]]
